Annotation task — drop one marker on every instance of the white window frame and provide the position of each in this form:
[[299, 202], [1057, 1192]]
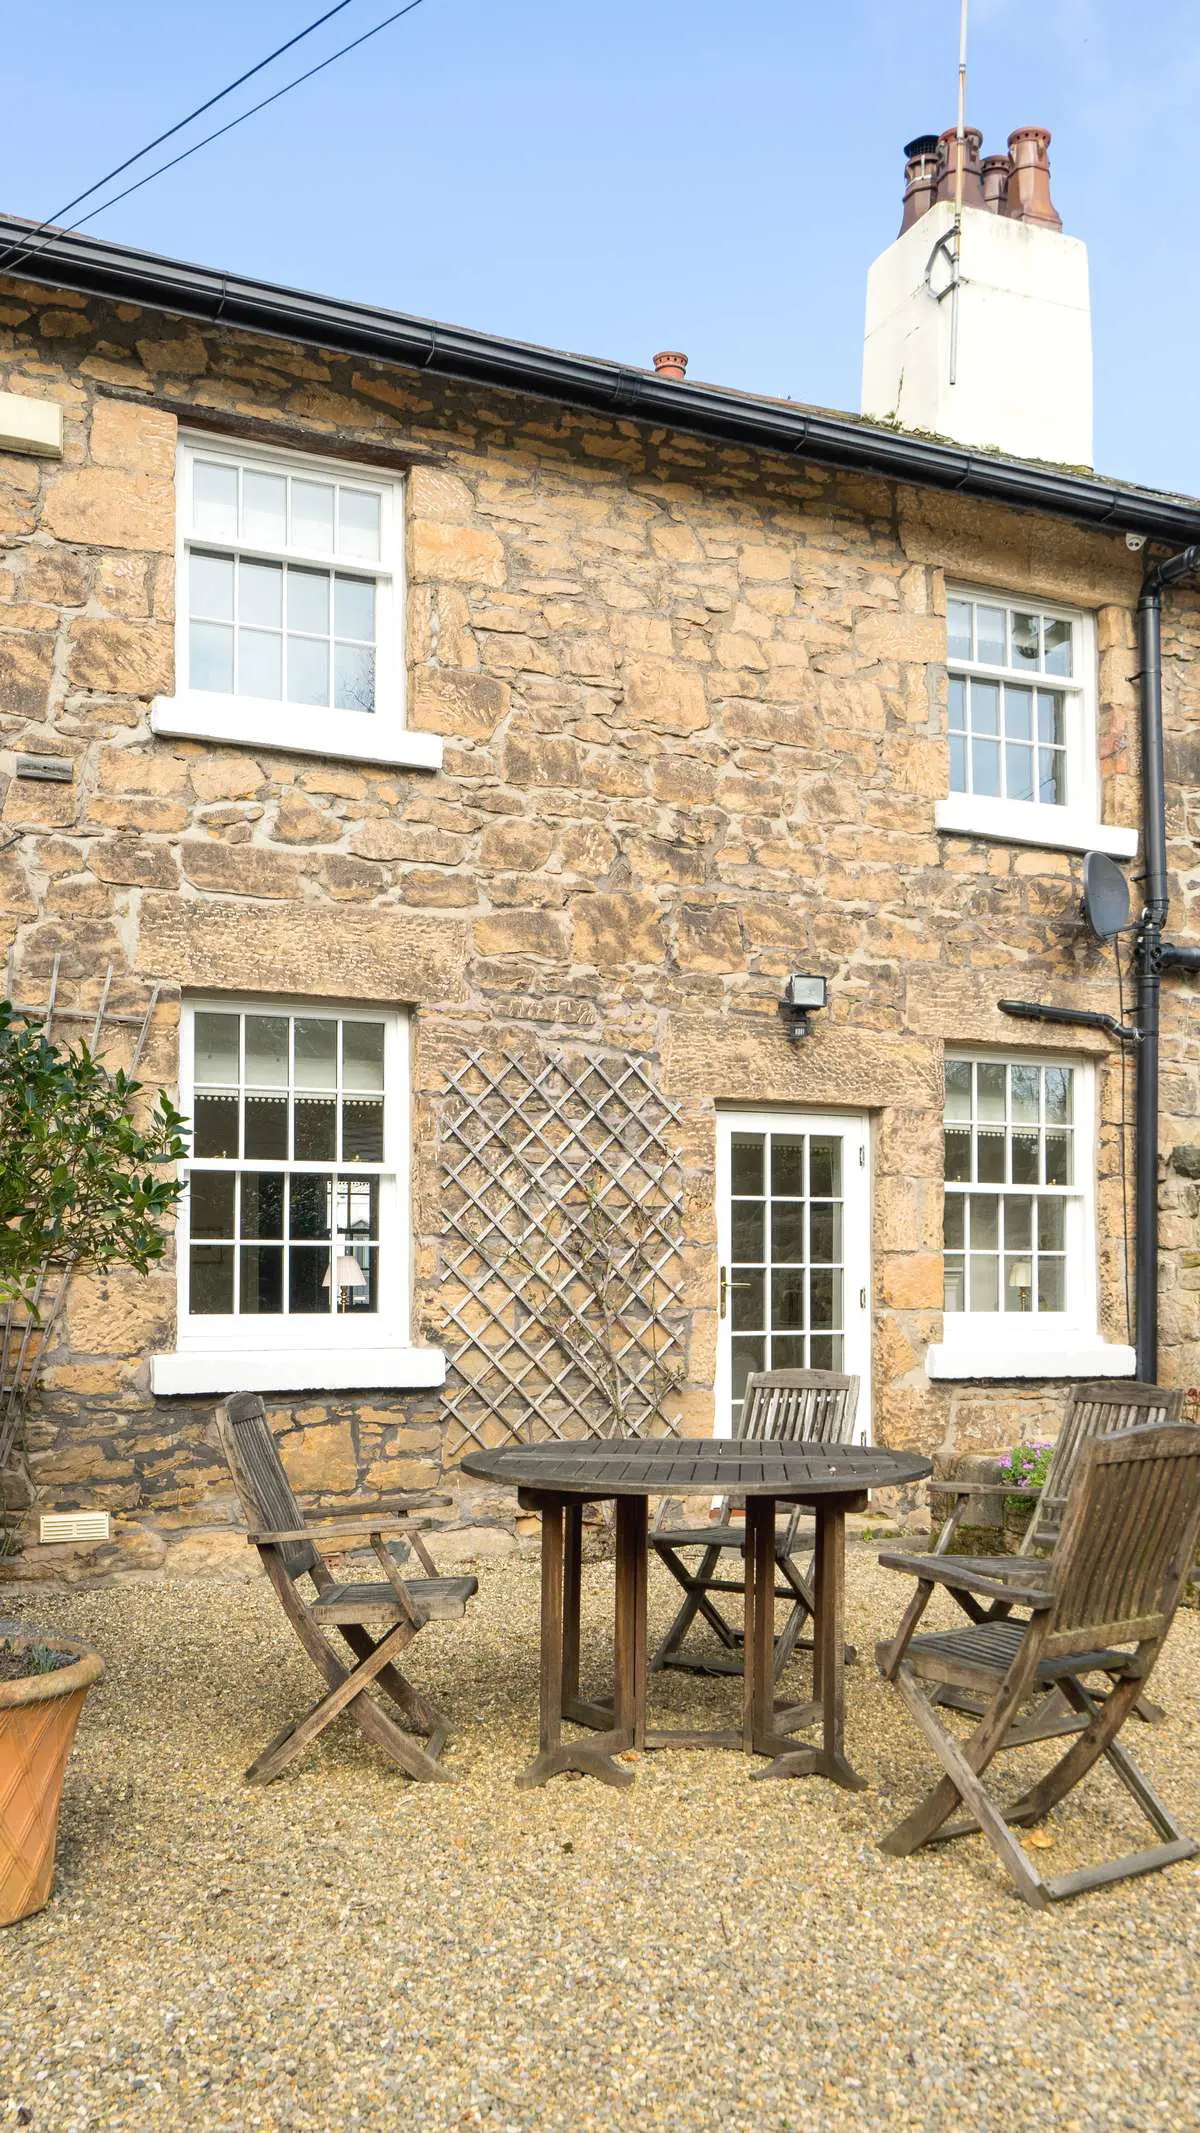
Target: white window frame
[[231, 1352], [1014, 1344], [378, 736], [1077, 827]]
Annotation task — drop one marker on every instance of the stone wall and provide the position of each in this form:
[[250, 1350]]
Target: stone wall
[[693, 704]]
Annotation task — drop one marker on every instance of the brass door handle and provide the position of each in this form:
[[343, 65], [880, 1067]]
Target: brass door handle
[[725, 1285]]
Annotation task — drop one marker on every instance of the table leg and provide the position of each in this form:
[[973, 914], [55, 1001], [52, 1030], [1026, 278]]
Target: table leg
[[629, 1697], [594, 1757], [572, 1579], [768, 1724], [829, 1655]]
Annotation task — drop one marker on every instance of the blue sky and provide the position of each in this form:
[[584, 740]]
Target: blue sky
[[641, 174]]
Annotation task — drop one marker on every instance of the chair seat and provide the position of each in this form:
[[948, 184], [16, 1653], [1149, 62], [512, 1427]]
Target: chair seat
[[714, 1536], [989, 1648], [438, 1599], [1023, 1569]]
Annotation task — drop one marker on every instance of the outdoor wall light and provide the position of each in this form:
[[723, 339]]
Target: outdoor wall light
[[802, 996]]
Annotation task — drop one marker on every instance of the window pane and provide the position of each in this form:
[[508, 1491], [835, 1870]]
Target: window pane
[[954, 1287], [262, 1280], [746, 1357], [747, 1302], [746, 1161], [316, 1053], [211, 1194], [267, 1127], [260, 594], [309, 1206], [215, 1126], [362, 1055], [958, 763], [1018, 772], [358, 1207], [958, 629], [825, 1233], [366, 1299], [210, 662], [953, 1221], [1025, 1159], [1052, 1284], [1018, 1284], [985, 769], [210, 1284], [358, 522], [958, 1156], [985, 1284], [989, 1156], [308, 1276], [1052, 1225], [990, 1081], [1018, 1225], [1026, 639], [260, 664], [787, 1300], [825, 1299], [1018, 714], [354, 608], [787, 1232], [264, 510], [1051, 719], [1057, 641], [749, 1230], [824, 1167], [262, 1203], [956, 704], [787, 1163], [210, 579], [1059, 1081], [362, 1130], [214, 499], [308, 671], [958, 1088], [827, 1352], [315, 1129], [989, 636], [1058, 1159], [1026, 1081], [216, 1049], [266, 1051], [985, 1222], [312, 516], [308, 601], [985, 707], [353, 677], [1052, 777]]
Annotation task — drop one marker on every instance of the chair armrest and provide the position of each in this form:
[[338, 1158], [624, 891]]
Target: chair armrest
[[340, 1529], [958, 1574], [980, 1488]]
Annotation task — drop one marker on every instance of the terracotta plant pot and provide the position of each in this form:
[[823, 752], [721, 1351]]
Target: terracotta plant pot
[[38, 1717]]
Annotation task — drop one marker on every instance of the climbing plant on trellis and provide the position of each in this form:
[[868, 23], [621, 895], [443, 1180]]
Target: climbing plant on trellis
[[563, 1198]]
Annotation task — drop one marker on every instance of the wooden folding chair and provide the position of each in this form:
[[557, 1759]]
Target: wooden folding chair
[[1093, 1410], [1102, 1605], [787, 1406], [397, 1608]]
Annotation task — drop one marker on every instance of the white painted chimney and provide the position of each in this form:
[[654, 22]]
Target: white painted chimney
[[1023, 363]]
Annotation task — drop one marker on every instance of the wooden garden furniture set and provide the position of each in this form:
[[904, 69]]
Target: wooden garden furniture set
[[1090, 1597]]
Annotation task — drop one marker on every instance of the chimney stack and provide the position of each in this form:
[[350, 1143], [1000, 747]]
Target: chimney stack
[[1023, 368], [669, 363]]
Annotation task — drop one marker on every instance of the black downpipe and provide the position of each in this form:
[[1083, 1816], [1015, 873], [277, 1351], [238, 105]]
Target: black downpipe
[[1150, 955]]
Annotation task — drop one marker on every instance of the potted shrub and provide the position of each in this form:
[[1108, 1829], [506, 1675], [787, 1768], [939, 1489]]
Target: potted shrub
[[43, 1681], [1025, 1468]]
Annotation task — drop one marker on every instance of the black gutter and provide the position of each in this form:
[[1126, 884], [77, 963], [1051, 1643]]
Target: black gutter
[[1152, 953], [93, 268]]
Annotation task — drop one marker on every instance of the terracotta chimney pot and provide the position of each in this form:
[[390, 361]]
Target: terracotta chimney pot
[[669, 363], [972, 184], [920, 178], [996, 171], [1029, 186]]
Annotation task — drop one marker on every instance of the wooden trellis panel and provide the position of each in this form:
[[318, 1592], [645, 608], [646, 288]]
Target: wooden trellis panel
[[563, 1197]]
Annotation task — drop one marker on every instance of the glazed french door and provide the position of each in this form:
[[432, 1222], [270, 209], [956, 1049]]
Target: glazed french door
[[793, 1249]]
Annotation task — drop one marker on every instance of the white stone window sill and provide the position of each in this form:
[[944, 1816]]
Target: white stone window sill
[[1072, 1357], [1055, 829], [296, 1369], [343, 736]]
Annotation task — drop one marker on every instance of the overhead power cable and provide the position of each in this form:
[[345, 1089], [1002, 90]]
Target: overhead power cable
[[53, 220]]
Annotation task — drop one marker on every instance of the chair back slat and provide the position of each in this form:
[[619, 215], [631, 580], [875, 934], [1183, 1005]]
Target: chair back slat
[[1128, 1537], [1093, 1410], [257, 1469], [799, 1406]]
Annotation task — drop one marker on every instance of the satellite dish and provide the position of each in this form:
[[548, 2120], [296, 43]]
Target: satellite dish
[[1105, 896]]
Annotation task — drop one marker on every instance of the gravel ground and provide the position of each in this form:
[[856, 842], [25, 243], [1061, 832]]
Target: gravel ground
[[344, 1949]]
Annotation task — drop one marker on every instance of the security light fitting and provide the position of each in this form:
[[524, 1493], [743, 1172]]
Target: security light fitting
[[802, 996]]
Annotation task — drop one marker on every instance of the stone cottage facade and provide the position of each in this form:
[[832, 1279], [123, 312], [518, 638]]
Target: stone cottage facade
[[469, 771]]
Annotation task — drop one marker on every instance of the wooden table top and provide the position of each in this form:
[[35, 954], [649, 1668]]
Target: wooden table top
[[690, 1466]]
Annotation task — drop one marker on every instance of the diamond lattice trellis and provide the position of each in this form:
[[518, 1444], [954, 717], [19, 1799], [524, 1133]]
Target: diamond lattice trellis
[[563, 1204]]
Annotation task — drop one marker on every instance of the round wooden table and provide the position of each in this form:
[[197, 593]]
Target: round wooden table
[[557, 1479]]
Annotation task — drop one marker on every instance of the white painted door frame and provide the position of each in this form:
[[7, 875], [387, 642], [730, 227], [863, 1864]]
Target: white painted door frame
[[853, 1130]]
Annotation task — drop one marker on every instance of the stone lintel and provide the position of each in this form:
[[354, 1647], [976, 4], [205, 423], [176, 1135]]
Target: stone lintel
[[303, 949], [845, 1069]]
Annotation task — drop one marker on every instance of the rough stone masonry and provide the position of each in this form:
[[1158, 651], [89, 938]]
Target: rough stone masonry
[[693, 702]]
